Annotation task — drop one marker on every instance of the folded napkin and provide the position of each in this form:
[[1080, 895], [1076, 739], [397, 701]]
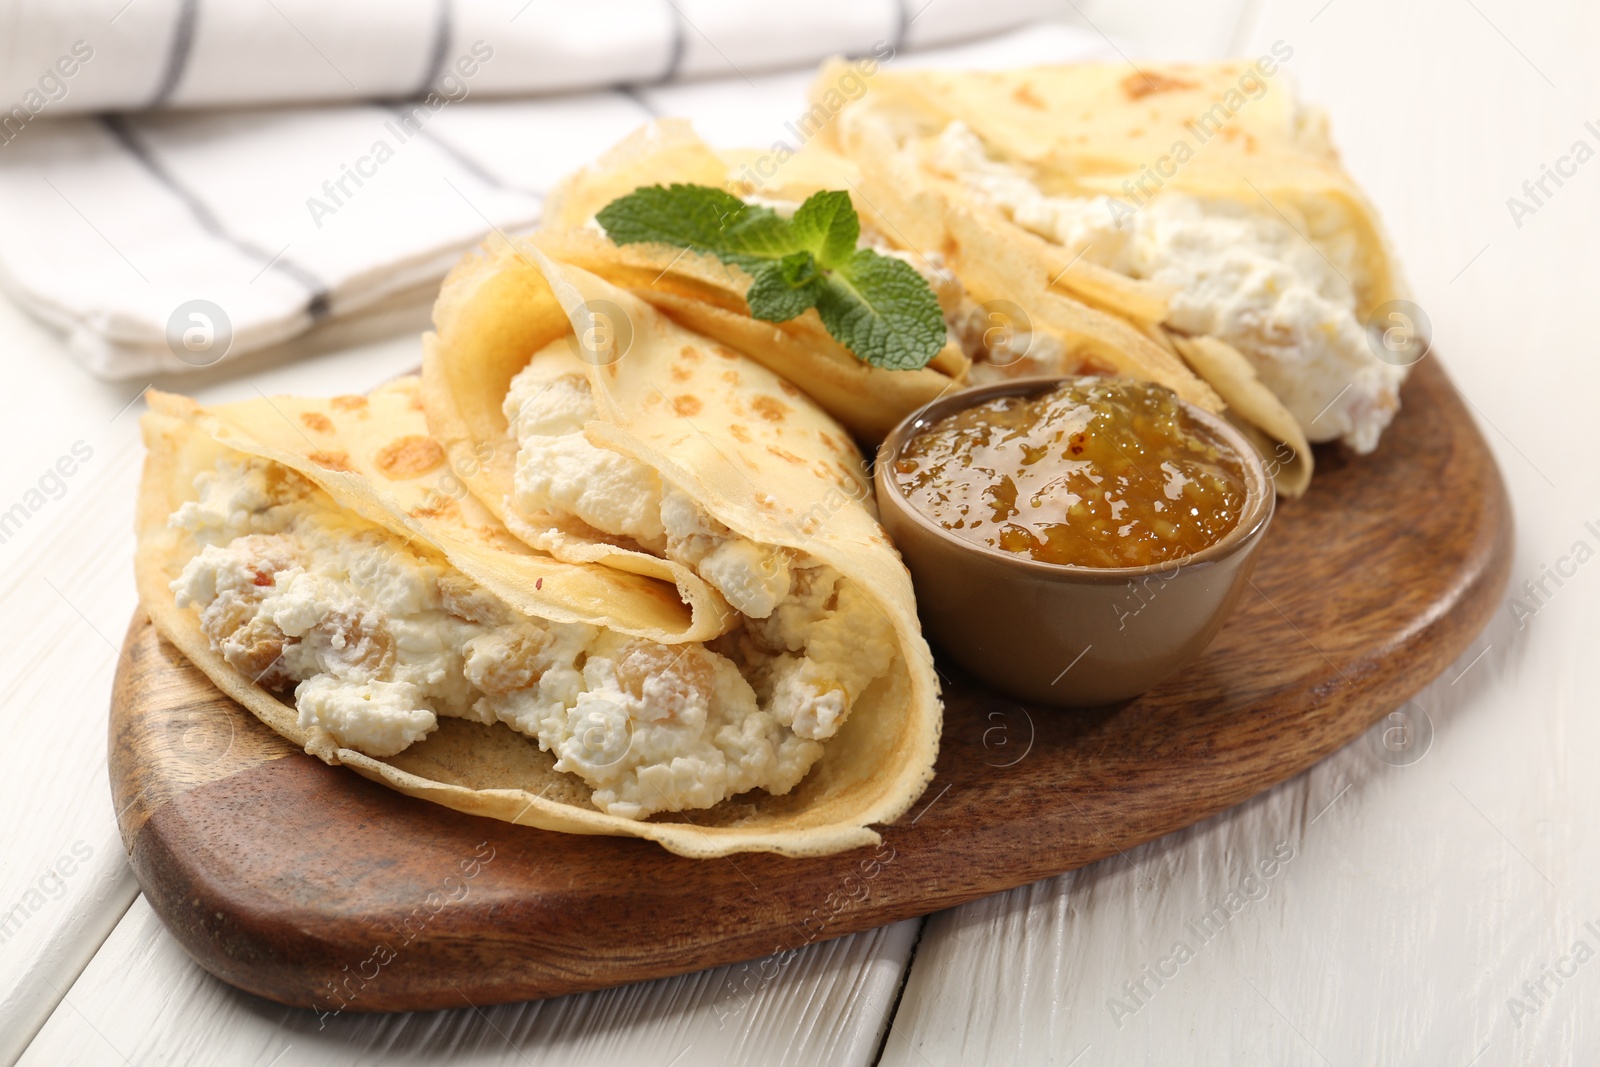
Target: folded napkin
[[126, 55], [164, 240]]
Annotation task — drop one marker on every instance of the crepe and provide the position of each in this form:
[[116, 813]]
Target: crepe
[[749, 486], [374, 454], [261, 512], [707, 296], [1097, 128], [988, 166]]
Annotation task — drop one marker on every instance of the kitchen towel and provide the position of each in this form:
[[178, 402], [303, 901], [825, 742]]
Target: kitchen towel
[[169, 238]]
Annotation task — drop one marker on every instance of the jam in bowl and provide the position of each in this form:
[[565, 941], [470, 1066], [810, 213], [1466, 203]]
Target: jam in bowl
[[1073, 541]]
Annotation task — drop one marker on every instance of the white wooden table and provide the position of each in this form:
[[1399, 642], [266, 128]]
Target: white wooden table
[[1433, 913]]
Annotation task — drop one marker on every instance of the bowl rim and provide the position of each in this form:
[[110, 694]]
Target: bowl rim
[[1260, 493]]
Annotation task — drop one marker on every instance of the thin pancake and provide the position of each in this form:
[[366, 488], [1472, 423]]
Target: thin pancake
[[369, 463], [708, 297]]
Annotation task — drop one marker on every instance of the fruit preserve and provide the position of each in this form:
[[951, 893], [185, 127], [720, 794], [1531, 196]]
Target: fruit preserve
[[1096, 472]]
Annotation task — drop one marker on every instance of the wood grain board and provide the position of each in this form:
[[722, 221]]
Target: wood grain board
[[310, 885]]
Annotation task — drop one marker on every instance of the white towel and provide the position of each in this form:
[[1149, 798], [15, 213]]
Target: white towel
[[209, 234]]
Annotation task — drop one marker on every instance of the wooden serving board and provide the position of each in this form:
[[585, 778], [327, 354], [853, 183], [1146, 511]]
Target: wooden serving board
[[312, 886]]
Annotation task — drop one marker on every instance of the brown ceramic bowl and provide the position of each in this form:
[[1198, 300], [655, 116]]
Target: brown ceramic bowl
[[1050, 633]]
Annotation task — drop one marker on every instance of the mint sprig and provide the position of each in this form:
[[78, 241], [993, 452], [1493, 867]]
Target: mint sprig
[[877, 306]]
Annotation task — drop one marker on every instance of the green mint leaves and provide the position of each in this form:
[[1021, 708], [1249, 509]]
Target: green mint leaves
[[877, 306]]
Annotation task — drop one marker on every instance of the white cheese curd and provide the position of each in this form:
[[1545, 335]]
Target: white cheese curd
[[808, 639], [1241, 274], [376, 641], [237, 500], [560, 473], [814, 656], [753, 577], [378, 718]]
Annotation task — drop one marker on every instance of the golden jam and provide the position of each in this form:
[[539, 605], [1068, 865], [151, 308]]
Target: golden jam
[[1097, 472]]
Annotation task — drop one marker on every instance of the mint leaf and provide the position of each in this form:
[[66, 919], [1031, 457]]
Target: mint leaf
[[877, 306], [881, 309], [701, 219], [760, 234], [784, 288], [827, 226], [696, 217]]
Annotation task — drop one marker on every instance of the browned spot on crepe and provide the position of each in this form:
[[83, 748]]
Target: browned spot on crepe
[[1142, 83], [786, 456], [443, 507], [409, 457], [333, 461], [348, 402], [1025, 95], [317, 421], [770, 408], [686, 405], [738, 433]]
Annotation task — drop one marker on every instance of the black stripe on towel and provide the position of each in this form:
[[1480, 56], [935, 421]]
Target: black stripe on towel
[[902, 25], [177, 52], [316, 305], [406, 113], [676, 45], [439, 54], [633, 94]]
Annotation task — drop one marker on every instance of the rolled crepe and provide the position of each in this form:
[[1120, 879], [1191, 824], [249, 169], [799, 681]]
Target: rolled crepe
[[1183, 201], [323, 564], [661, 446], [978, 275], [708, 296], [1231, 129]]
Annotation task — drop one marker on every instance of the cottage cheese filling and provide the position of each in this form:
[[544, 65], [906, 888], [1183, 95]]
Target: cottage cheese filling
[[560, 473], [809, 639], [1240, 274], [377, 639]]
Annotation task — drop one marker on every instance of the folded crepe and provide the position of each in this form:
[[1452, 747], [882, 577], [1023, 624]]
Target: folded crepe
[[1201, 206], [622, 439], [322, 562], [930, 234], [707, 296]]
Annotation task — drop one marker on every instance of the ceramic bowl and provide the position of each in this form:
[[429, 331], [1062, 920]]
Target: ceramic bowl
[[1071, 636]]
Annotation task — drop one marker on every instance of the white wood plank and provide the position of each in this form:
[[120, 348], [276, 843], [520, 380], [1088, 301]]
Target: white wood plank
[[1417, 906], [66, 589], [64, 573], [143, 1001]]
